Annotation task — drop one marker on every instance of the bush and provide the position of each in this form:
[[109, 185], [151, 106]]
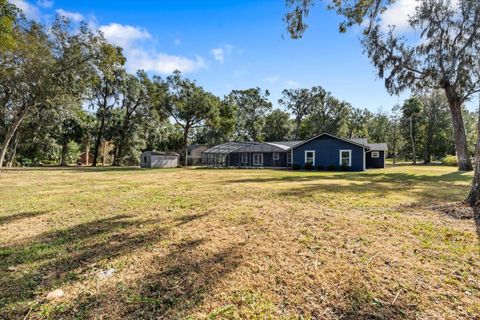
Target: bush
[[450, 161], [331, 167], [345, 168], [308, 166], [320, 168], [296, 166]]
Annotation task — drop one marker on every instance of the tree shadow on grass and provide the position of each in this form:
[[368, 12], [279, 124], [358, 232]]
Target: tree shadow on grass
[[20, 215], [52, 259], [360, 303], [171, 288], [395, 178]]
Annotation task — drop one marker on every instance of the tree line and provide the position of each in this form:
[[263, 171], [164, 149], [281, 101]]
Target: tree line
[[64, 91]]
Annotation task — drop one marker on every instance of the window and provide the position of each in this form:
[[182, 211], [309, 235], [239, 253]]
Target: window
[[375, 154], [145, 159], [346, 158], [244, 157], [257, 159], [310, 157], [276, 156], [289, 157]]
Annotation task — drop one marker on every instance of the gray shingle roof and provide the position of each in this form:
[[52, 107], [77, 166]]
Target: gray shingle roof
[[378, 146]]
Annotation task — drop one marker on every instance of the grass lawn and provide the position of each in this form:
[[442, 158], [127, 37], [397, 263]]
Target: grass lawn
[[236, 244]]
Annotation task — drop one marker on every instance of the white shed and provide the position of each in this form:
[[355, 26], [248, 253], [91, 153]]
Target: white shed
[[156, 159]]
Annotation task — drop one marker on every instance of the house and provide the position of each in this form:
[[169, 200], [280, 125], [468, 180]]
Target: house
[[156, 159], [324, 151], [194, 154]]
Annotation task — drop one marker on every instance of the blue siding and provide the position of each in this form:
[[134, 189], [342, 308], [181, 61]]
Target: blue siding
[[327, 152], [376, 162]]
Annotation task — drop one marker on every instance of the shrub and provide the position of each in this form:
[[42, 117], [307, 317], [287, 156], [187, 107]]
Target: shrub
[[450, 161], [345, 168], [320, 168], [331, 167], [296, 166], [308, 166]]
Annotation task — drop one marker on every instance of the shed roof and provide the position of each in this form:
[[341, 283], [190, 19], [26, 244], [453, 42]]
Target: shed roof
[[195, 146], [161, 153], [360, 140], [378, 146]]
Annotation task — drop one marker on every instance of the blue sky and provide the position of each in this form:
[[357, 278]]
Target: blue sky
[[227, 45]]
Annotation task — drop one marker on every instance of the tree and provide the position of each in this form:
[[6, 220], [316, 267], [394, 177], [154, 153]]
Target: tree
[[189, 105], [8, 17], [437, 126], [222, 131], [300, 103], [394, 120], [105, 87], [252, 107], [358, 123], [446, 56], [134, 106], [277, 126], [412, 119], [70, 130], [328, 114], [45, 69]]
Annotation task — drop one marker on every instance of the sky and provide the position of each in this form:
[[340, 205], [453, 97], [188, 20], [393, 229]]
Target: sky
[[226, 45]]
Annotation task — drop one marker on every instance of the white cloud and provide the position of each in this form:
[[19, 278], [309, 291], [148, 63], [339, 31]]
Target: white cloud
[[45, 3], [30, 11], [124, 35], [162, 62], [398, 14], [72, 16], [292, 84], [218, 54], [221, 53], [134, 40]]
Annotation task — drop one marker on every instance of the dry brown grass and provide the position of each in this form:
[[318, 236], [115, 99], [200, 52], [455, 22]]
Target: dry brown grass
[[236, 244]]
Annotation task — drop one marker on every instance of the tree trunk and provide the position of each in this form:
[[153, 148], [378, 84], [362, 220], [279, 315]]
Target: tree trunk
[[12, 152], [461, 146], [98, 140], [395, 142], [185, 144], [10, 133], [63, 161], [414, 153], [87, 149], [474, 195]]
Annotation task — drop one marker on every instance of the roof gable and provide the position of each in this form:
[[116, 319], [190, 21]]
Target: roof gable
[[332, 136]]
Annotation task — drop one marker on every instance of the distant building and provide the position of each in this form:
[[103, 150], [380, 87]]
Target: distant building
[[85, 159], [322, 152], [156, 159], [194, 154]]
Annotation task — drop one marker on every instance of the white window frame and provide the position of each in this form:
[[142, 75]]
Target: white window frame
[[289, 157], [313, 160], [244, 157], [375, 154], [349, 157], [276, 156], [257, 163]]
